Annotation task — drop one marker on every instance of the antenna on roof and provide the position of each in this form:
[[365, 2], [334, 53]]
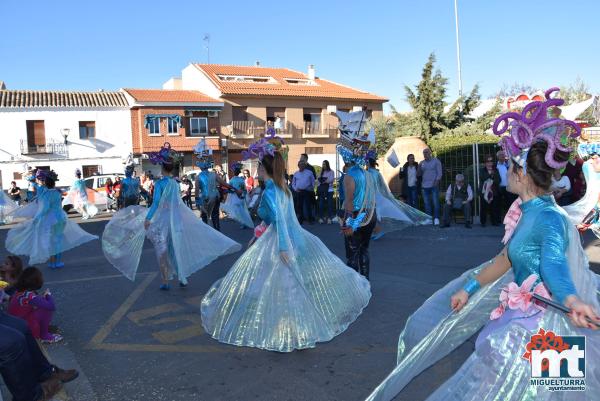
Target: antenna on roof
[[206, 40]]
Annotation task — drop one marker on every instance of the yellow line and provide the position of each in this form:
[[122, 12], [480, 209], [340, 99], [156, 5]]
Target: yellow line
[[78, 280], [144, 314], [121, 311]]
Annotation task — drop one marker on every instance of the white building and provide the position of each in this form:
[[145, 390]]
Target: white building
[[62, 131]]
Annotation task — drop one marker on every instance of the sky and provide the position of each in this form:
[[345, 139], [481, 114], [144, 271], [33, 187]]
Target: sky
[[377, 46]]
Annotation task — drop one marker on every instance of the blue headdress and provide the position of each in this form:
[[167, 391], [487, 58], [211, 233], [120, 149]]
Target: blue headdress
[[354, 144], [586, 150]]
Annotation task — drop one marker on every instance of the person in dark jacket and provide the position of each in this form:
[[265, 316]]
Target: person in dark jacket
[[410, 181], [489, 191]]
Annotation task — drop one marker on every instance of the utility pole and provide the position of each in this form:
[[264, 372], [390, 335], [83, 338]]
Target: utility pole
[[207, 46], [458, 48]]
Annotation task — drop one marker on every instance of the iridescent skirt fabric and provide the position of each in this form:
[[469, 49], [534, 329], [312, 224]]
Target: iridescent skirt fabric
[[264, 303]]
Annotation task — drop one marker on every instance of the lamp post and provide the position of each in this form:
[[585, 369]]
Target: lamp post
[[65, 133], [457, 48]]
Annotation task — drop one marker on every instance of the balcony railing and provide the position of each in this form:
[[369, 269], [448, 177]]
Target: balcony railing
[[48, 148], [250, 129], [318, 130]]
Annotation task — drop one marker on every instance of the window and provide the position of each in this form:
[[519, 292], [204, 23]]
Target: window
[[154, 126], [198, 126], [36, 133], [172, 126], [89, 171], [300, 81], [312, 121], [17, 176], [316, 150], [87, 129], [247, 78]]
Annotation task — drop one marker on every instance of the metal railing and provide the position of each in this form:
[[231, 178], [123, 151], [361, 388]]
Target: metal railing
[[318, 130], [48, 148]]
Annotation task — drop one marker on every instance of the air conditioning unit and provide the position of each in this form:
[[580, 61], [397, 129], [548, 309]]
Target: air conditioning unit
[[188, 113], [331, 109], [213, 113]]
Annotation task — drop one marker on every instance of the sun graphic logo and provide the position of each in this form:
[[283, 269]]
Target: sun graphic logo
[[557, 362]]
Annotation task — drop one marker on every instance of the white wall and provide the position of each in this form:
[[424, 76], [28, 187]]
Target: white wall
[[110, 146], [194, 79]]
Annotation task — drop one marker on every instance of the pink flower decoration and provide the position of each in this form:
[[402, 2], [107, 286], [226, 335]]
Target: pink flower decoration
[[511, 220], [496, 313], [260, 230], [515, 297]]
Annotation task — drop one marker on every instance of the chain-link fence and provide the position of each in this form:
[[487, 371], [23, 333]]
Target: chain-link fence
[[467, 160]]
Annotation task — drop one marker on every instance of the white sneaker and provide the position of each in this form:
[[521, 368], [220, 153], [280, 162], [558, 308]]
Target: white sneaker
[[436, 222], [320, 221]]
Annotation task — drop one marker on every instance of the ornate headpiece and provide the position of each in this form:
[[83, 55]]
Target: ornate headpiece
[[41, 175], [533, 125], [354, 144], [236, 166], [204, 154], [165, 156], [268, 145], [585, 150]]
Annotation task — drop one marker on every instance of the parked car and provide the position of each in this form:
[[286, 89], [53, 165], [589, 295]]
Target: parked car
[[95, 183]]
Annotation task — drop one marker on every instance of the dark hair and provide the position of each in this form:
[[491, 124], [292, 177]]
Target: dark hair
[[17, 266], [372, 162], [275, 167], [49, 182], [168, 167], [537, 168], [31, 279], [327, 167], [304, 155], [237, 171], [489, 157], [13, 182]]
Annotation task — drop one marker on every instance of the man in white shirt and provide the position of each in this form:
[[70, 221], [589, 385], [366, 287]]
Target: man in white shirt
[[458, 197], [303, 183]]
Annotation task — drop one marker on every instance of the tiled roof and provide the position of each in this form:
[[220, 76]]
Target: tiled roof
[[27, 98], [170, 96], [322, 89]]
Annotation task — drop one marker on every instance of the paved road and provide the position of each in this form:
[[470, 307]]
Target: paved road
[[133, 342]]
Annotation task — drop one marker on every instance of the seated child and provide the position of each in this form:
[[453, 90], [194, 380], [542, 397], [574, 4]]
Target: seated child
[[35, 309]]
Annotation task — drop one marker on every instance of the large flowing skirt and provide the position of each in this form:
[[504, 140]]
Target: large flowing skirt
[[41, 238], [264, 303], [393, 214], [236, 209], [7, 208], [496, 370]]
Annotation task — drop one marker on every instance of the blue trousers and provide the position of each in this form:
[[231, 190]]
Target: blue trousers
[[432, 196], [22, 364]]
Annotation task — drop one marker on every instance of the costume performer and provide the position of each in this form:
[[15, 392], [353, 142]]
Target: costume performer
[[544, 256], [7, 207], [360, 216], [235, 205], [392, 214], [183, 244], [82, 198], [130, 187], [287, 291], [207, 192], [49, 232]]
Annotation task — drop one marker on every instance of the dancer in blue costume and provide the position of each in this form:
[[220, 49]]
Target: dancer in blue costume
[[392, 214], [81, 200], [544, 256], [183, 243], [287, 291], [130, 187], [7, 207], [49, 232], [207, 193], [235, 205]]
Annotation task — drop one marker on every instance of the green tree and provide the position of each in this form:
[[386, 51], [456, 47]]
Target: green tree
[[384, 133], [576, 92], [458, 113], [427, 100]]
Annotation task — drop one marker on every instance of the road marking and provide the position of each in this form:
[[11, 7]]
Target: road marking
[[137, 316], [78, 280], [121, 311]]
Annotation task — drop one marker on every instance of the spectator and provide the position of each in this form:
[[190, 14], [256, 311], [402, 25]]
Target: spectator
[[458, 197], [574, 171], [430, 171], [325, 192], [10, 272], [311, 196], [249, 181], [25, 370], [148, 187], [561, 187], [303, 184], [304, 158], [505, 198], [117, 192], [186, 187], [35, 309], [490, 192], [410, 181], [15, 192]]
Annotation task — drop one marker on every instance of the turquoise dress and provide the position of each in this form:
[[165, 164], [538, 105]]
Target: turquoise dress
[[544, 244], [174, 230], [84, 204], [393, 214], [264, 303], [49, 232], [235, 205]]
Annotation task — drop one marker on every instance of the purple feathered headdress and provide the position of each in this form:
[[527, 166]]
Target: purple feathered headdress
[[533, 125], [266, 146], [165, 155], [42, 174]]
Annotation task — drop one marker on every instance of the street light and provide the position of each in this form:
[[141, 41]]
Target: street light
[[65, 133]]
